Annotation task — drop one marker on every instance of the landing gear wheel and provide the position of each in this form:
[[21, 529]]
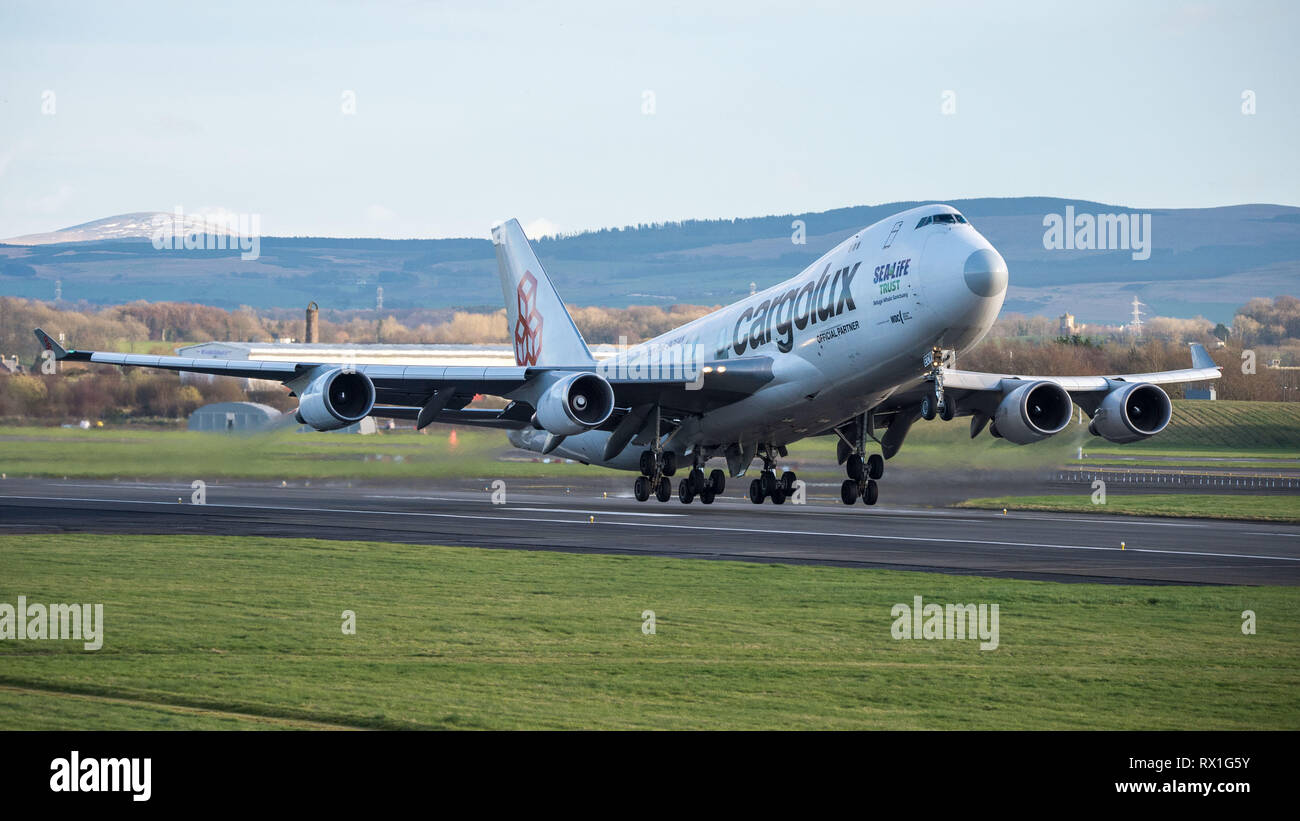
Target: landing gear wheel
[[848, 491], [641, 488], [717, 482], [664, 490], [685, 491], [787, 482], [929, 404], [706, 495], [949, 409], [778, 494], [697, 480], [756, 492], [670, 463], [647, 463], [854, 467], [767, 481], [871, 493], [875, 466]]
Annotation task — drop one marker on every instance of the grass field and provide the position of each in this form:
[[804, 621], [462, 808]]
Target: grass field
[[1273, 508], [127, 453], [1255, 434], [1229, 429], [230, 632]]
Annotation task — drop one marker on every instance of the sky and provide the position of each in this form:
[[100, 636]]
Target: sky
[[436, 119]]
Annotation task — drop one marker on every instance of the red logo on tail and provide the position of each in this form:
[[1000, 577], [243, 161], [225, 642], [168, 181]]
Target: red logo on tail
[[528, 327]]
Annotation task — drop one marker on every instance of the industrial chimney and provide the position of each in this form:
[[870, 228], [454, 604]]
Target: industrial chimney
[[313, 312]]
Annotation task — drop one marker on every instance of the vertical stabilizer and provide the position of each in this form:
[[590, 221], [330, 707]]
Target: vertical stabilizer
[[540, 325]]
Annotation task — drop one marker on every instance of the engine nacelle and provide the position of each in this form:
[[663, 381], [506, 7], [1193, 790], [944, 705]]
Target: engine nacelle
[[575, 404], [1033, 411], [335, 399], [1131, 412]]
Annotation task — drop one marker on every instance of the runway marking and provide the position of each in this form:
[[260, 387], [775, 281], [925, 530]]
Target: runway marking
[[713, 528], [589, 510], [593, 510]]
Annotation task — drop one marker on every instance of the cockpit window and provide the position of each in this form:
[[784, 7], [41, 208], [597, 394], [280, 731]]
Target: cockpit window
[[941, 219]]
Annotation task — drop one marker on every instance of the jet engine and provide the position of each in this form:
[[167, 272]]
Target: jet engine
[[1033, 411], [1131, 412], [575, 404], [335, 399]]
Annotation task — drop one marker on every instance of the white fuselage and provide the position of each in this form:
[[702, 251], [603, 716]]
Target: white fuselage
[[844, 334]]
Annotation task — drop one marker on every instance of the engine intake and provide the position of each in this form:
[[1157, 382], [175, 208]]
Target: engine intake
[[1033, 411], [1131, 413], [335, 399], [575, 404]]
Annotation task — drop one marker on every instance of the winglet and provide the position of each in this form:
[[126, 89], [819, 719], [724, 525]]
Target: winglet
[[1201, 358], [48, 343]]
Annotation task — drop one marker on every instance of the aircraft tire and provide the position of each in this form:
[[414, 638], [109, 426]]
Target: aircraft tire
[[871, 493], [848, 491], [664, 491], [717, 482], [875, 466]]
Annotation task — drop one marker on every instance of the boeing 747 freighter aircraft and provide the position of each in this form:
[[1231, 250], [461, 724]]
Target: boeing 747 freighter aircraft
[[851, 347]]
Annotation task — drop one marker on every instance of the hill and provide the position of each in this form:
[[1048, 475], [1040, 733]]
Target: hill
[[1203, 261]]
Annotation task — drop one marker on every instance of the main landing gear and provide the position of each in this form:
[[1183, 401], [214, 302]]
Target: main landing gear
[[656, 467], [768, 486], [695, 484], [863, 472]]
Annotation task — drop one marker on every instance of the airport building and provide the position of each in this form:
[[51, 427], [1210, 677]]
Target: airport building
[[243, 417]]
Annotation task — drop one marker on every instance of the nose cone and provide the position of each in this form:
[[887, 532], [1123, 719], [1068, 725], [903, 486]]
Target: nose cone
[[986, 273]]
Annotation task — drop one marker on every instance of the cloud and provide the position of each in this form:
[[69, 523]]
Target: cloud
[[541, 227]]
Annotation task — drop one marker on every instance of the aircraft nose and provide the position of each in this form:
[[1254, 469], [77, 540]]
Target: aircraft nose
[[985, 273]]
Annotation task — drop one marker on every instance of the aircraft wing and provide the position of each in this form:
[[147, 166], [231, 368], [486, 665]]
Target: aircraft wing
[[402, 391], [978, 395], [1203, 368]]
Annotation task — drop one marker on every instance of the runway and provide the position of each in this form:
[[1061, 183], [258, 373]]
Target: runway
[[581, 519]]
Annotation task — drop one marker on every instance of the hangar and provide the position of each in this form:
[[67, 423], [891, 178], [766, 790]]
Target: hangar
[[234, 416]]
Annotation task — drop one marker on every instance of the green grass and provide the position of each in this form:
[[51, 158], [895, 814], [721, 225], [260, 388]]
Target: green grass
[[245, 632], [109, 453], [1218, 464], [1207, 506], [1229, 429], [1239, 430]]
